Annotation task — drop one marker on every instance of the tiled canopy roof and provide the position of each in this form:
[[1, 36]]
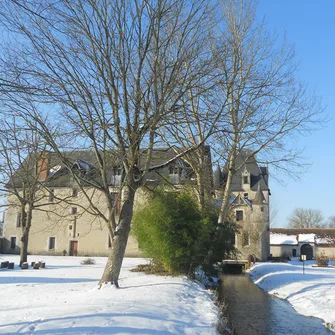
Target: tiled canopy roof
[[320, 236]]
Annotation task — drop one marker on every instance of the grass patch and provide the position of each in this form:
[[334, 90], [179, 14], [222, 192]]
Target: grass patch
[[151, 269], [88, 261]]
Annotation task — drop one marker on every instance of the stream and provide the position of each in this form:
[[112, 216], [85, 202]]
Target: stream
[[252, 311]]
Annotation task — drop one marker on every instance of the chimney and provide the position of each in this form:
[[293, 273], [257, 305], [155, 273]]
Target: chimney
[[43, 165]]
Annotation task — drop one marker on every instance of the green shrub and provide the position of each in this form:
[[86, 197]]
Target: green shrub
[[171, 230], [322, 260], [88, 261], [222, 237]]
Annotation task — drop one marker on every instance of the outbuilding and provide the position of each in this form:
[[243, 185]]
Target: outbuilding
[[293, 242]]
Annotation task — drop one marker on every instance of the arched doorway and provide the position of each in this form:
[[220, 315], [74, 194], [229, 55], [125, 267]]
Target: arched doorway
[[307, 249]]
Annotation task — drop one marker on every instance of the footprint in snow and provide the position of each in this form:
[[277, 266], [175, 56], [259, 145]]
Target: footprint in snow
[[32, 328]]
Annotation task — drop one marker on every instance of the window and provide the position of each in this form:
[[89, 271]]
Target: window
[[117, 171], [70, 227], [245, 195], [18, 220], [12, 242], [245, 238], [51, 195], [52, 241], [239, 215], [175, 170], [233, 239], [180, 171], [74, 192], [262, 209], [116, 202], [245, 179], [74, 210], [294, 252]]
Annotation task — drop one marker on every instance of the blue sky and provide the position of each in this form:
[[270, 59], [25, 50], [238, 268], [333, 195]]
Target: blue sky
[[310, 26]]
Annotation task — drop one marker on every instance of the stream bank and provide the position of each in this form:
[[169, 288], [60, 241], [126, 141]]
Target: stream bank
[[252, 311]]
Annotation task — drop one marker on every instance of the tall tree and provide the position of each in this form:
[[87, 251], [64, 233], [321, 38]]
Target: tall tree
[[22, 168], [331, 222], [306, 218], [110, 71], [266, 107]]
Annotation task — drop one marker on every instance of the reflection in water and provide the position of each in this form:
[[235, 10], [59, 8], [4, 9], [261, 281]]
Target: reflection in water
[[253, 312]]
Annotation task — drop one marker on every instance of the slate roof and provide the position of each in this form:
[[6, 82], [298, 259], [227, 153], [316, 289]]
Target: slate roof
[[259, 198], [258, 174], [86, 161], [239, 200]]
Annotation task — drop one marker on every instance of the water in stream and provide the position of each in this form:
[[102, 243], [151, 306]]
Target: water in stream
[[254, 312]]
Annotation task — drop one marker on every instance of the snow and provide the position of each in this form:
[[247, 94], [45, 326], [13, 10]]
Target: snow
[[278, 239], [310, 294], [64, 299], [324, 240], [306, 238]]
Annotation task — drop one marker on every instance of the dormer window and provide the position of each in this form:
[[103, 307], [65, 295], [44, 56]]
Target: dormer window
[[117, 171], [245, 180], [174, 170], [239, 215]]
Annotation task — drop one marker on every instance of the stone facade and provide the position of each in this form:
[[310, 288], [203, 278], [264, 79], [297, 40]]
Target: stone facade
[[59, 227], [67, 228], [250, 204]]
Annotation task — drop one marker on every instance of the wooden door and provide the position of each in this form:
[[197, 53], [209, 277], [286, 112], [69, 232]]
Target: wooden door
[[307, 250], [73, 248]]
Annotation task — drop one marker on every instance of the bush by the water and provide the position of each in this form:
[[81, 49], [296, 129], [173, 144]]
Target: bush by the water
[[322, 260], [171, 230], [88, 261]]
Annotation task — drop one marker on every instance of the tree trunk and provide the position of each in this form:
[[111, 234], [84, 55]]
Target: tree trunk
[[25, 224], [200, 166], [201, 190], [225, 203], [119, 243], [24, 245]]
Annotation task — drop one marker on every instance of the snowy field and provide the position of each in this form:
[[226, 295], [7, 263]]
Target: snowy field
[[310, 294], [64, 299]]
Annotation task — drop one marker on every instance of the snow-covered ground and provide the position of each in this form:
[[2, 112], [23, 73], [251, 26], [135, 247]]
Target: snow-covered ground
[[310, 294], [64, 299]]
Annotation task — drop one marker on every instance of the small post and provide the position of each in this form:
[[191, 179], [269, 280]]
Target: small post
[[303, 258], [24, 266]]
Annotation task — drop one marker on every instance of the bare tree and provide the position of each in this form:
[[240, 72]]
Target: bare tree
[[22, 169], [110, 71], [266, 108], [306, 218], [331, 222], [193, 126]]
